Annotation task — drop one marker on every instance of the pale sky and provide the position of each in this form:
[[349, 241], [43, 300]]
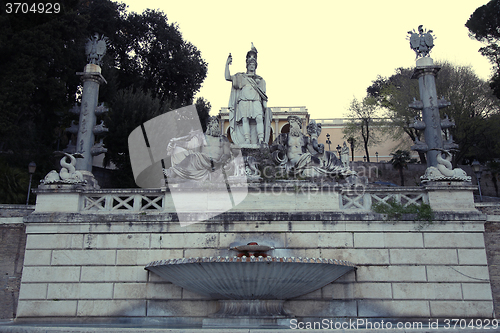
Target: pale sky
[[318, 53]]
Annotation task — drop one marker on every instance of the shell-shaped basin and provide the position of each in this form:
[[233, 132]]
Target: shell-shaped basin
[[248, 278]]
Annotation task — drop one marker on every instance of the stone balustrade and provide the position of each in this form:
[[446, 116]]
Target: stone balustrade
[[308, 195]]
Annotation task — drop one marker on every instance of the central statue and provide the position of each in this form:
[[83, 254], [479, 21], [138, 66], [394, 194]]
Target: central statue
[[249, 116], [301, 155]]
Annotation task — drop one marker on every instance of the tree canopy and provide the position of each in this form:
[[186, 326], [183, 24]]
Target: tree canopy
[[473, 107], [41, 53], [362, 124], [484, 26], [399, 161]]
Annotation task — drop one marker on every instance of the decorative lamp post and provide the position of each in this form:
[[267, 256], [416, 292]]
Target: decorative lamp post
[[339, 149], [376, 154], [328, 140], [476, 167], [31, 171]]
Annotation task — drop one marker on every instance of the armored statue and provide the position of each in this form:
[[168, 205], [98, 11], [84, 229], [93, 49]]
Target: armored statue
[[302, 156], [249, 117], [95, 49], [421, 42], [344, 156], [196, 157]]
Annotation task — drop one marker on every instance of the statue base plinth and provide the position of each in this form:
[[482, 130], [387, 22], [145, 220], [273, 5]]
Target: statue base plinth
[[455, 196], [250, 145], [91, 182], [92, 68], [425, 62]]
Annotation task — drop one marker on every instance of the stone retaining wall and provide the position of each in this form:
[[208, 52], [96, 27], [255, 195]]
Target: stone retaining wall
[[12, 243], [80, 266]]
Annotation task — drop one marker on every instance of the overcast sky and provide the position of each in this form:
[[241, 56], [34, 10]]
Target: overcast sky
[[318, 53]]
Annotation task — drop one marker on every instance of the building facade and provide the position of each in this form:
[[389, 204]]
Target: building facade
[[331, 132]]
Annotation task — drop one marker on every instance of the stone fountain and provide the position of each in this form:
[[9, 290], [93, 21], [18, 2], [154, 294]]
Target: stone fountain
[[86, 247], [251, 289]]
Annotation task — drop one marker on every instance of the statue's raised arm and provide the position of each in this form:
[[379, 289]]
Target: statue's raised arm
[[228, 62]]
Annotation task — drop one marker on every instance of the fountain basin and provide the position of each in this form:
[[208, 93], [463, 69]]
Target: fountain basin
[[251, 278]]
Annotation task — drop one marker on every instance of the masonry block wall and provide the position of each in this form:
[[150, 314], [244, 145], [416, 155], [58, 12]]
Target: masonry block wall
[[12, 242], [92, 265], [492, 242]]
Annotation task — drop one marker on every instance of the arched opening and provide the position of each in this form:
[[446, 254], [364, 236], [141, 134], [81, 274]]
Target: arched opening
[[285, 128]]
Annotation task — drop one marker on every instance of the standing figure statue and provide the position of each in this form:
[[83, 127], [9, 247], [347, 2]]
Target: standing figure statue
[[344, 156], [249, 117]]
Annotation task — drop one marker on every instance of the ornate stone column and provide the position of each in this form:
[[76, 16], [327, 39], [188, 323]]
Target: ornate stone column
[[92, 78], [439, 166], [425, 72]]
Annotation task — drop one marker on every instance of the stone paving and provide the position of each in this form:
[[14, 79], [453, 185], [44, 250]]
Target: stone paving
[[10, 328]]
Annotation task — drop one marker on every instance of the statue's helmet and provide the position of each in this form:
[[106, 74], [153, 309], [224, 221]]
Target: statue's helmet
[[252, 56]]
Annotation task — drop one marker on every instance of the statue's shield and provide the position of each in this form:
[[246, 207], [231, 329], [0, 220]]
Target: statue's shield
[[429, 40], [414, 40]]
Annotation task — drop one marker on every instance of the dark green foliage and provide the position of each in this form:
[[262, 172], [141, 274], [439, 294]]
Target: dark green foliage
[[400, 160], [203, 108], [153, 56], [395, 211], [484, 25], [41, 53], [13, 184], [130, 110], [37, 76]]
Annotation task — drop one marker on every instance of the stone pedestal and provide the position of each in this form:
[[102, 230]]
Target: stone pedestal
[[451, 196], [58, 198]]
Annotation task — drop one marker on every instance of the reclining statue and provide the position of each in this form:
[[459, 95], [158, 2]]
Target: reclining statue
[[197, 156]]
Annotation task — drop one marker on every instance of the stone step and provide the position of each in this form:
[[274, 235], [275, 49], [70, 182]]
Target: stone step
[[33, 328]]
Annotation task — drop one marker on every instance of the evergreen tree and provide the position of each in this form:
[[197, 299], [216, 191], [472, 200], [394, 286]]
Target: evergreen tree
[[40, 54], [484, 25]]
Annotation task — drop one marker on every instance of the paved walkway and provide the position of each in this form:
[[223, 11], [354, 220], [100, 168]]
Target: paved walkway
[[33, 328]]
